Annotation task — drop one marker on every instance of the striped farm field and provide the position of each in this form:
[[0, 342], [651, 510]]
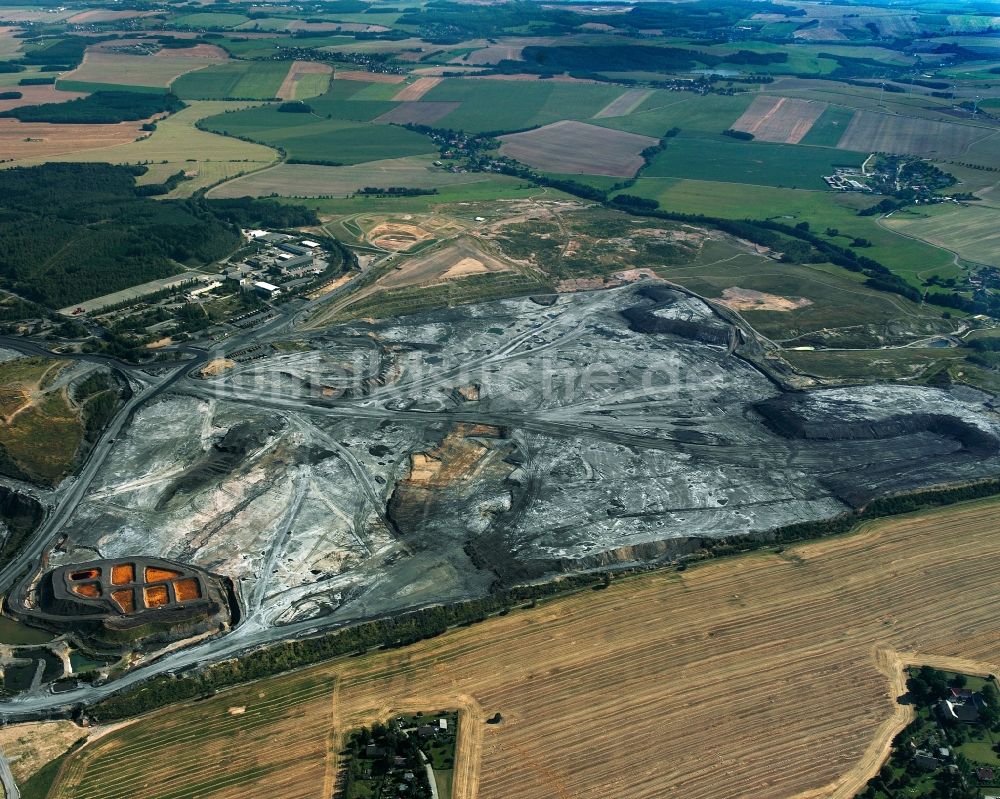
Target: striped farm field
[[887, 133], [276, 734], [785, 120], [572, 148], [762, 676]]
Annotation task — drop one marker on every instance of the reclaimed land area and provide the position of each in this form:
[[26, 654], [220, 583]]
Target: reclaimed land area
[[785, 666]]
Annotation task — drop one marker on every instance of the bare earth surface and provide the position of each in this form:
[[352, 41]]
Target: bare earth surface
[[749, 300], [30, 746]]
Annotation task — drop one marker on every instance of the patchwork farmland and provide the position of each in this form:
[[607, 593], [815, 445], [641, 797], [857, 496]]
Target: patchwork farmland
[[577, 148], [779, 119], [785, 667], [136, 70], [168, 150]]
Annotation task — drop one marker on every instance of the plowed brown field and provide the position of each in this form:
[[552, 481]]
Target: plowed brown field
[[771, 675]]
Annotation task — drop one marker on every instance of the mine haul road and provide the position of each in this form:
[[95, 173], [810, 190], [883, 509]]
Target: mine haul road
[[73, 490]]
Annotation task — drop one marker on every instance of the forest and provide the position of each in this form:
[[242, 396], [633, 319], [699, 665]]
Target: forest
[[104, 107], [69, 232]]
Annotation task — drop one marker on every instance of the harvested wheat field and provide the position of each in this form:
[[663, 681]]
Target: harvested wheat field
[[779, 119], [870, 131], [41, 139], [36, 95], [578, 148], [763, 676], [506, 49], [416, 90], [281, 738]]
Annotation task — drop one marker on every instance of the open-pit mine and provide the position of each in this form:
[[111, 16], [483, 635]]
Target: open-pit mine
[[376, 466]]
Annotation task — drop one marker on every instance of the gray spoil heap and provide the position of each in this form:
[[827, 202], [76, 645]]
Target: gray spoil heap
[[428, 458]]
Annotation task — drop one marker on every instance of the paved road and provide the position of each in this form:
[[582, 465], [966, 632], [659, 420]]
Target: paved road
[[75, 489], [254, 630], [7, 779]]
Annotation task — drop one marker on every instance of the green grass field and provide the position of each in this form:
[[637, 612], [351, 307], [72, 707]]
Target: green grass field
[[309, 180], [720, 158], [664, 110], [911, 259], [210, 20], [514, 105], [307, 137], [827, 130], [239, 79], [311, 85], [848, 312], [498, 188], [350, 100], [90, 86], [241, 47], [973, 231]]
